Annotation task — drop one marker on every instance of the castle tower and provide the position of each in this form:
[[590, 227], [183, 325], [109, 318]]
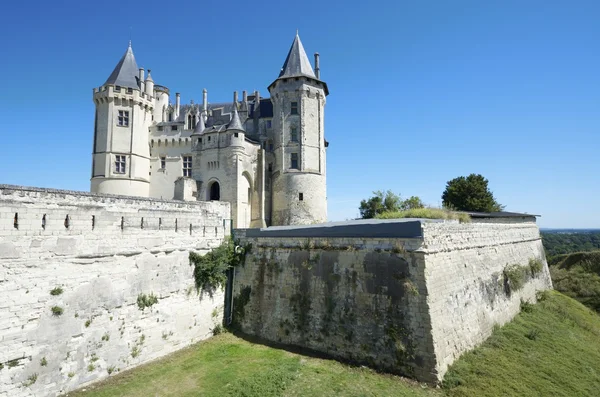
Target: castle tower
[[124, 106], [299, 184]]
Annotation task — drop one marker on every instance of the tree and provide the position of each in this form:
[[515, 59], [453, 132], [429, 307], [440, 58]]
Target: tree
[[387, 202], [470, 194]]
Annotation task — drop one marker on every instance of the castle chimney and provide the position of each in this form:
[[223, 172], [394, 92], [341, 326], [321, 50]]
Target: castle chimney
[[204, 100], [141, 79], [317, 69], [177, 103], [244, 96], [256, 99], [235, 98]]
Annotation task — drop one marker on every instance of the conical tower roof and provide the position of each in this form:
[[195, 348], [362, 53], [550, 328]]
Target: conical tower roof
[[235, 123], [200, 126], [125, 73], [297, 63]]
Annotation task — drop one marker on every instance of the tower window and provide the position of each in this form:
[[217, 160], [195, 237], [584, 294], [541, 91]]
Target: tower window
[[236, 134], [173, 128], [294, 109], [270, 167], [293, 134], [117, 88], [187, 166], [301, 196], [268, 123], [170, 116], [123, 119], [270, 145], [130, 90], [120, 163], [160, 128], [163, 162], [294, 161]]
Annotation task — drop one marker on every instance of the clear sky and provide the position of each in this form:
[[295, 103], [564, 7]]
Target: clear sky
[[420, 91]]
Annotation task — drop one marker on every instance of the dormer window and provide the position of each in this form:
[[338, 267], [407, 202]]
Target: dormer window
[[171, 116], [294, 108], [123, 118], [191, 122], [293, 134], [117, 88], [130, 90]]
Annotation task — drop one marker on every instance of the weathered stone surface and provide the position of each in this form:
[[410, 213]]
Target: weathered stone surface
[[404, 305], [102, 261]]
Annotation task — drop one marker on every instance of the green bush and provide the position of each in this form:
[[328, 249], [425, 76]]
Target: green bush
[[144, 301], [426, 213], [536, 266], [56, 291], [209, 269], [57, 310], [516, 277]]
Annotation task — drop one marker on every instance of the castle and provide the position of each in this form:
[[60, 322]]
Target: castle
[[265, 156]]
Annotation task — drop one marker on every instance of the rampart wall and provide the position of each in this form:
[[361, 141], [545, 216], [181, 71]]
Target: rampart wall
[[75, 268], [406, 296]]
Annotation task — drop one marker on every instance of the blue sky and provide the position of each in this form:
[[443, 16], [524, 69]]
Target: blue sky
[[420, 92]]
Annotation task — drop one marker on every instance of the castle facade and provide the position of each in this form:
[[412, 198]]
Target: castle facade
[[265, 156]]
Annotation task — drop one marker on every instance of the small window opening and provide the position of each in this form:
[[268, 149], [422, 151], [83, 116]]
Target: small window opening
[[44, 222], [93, 221], [190, 229], [270, 167], [67, 221], [163, 162], [159, 223], [16, 221], [294, 161], [142, 224], [173, 128], [294, 108], [175, 224], [236, 134], [122, 222], [301, 196]]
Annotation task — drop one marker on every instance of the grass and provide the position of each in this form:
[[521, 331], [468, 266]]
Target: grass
[[578, 275], [550, 349], [226, 365], [427, 213]]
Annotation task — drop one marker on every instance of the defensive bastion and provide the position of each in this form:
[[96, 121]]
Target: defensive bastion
[[94, 284], [403, 296]]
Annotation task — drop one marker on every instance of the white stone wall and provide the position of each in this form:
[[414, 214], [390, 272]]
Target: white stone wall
[[465, 283], [102, 268], [172, 145]]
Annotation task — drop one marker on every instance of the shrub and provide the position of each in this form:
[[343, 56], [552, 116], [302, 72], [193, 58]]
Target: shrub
[[31, 380], [526, 307], [57, 310], [536, 266], [110, 369], [88, 322], [427, 213], [43, 362], [515, 275], [144, 301], [218, 329], [209, 269], [91, 367], [56, 291], [135, 351], [533, 334]]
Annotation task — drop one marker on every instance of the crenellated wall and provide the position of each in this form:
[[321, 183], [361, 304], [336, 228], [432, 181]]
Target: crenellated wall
[[110, 252], [404, 296]]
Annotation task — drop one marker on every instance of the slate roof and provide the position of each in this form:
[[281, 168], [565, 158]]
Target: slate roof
[[125, 73], [235, 124], [297, 63]]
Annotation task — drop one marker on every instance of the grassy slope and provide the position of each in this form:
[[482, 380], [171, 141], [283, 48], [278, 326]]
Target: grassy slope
[[229, 366], [578, 276], [552, 349]]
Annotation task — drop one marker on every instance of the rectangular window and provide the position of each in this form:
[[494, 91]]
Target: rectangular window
[[163, 162], [268, 123], [270, 167], [294, 109], [236, 134], [120, 163], [294, 158], [117, 88], [187, 166], [123, 118], [130, 90], [270, 146], [160, 128], [301, 196], [173, 128], [293, 134]]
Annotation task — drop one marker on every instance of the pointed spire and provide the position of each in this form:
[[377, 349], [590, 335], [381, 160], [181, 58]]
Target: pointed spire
[[297, 63], [149, 77], [235, 123], [125, 73], [200, 126]]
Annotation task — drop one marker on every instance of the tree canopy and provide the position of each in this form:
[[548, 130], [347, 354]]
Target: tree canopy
[[387, 202], [470, 193]]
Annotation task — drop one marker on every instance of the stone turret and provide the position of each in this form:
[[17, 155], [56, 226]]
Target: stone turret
[[121, 155], [299, 182]]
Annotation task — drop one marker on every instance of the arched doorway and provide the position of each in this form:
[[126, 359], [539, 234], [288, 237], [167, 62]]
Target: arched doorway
[[215, 191]]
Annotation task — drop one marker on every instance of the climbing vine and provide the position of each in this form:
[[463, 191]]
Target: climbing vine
[[209, 269]]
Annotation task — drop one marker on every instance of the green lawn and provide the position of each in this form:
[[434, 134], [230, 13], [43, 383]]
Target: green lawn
[[550, 349]]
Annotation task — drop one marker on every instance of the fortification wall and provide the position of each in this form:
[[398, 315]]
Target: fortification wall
[[406, 297], [468, 292], [109, 252]]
